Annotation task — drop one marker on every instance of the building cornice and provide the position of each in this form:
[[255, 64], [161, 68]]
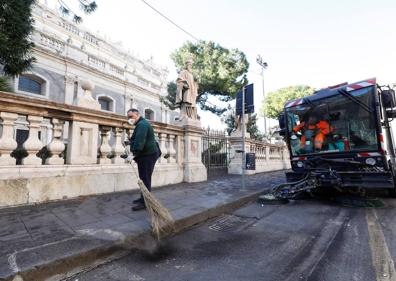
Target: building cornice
[[105, 46], [122, 82]]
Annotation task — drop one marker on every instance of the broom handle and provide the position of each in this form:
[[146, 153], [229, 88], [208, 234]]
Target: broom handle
[[131, 163]]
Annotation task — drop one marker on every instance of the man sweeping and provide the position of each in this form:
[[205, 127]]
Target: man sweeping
[[145, 152]]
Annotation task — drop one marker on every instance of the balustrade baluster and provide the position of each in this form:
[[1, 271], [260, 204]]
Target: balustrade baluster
[[172, 150], [7, 142], [163, 147], [105, 148], [33, 144], [118, 148], [56, 146]]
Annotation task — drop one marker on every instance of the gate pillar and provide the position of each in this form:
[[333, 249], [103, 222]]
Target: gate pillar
[[194, 170]]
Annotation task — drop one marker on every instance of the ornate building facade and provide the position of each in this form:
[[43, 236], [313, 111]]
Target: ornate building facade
[[68, 54]]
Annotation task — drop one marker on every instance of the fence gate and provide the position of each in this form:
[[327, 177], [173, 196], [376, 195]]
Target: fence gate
[[215, 152]]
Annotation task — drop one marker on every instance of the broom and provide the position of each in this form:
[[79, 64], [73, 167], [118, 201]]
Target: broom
[[162, 222]]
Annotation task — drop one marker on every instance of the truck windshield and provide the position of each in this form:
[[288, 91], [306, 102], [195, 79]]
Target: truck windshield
[[339, 123]]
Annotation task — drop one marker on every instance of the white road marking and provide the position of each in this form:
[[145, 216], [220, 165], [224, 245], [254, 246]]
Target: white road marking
[[382, 260], [13, 263]]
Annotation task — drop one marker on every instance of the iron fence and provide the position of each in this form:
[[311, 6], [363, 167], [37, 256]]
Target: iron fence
[[215, 152]]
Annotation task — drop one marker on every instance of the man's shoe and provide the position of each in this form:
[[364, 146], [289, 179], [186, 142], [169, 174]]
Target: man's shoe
[[137, 201], [138, 207]]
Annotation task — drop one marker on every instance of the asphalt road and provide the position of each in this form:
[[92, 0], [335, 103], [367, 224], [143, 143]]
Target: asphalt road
[[313, 240]]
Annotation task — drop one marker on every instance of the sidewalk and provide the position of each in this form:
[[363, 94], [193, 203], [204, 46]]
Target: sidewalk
[[44, 240]]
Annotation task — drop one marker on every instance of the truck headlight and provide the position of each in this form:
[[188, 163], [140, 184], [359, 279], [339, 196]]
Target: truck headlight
[[300, 164], [370, 161]]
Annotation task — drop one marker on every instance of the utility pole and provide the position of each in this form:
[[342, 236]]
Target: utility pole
[[263, 65]]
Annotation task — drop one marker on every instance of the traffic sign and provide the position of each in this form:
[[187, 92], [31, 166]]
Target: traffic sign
[[249, 101]]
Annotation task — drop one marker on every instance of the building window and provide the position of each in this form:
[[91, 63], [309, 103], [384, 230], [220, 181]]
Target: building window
[[31, 84], [144, 82], [96, 61], [156, 73], [52, 43], [116, 69], [149, 114], [91, 38], [75, 90], [156, 87], [106, 103], [70, 27]]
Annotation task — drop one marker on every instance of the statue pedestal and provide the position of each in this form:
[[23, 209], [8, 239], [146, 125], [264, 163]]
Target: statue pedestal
[[194, 169], [185, 121]]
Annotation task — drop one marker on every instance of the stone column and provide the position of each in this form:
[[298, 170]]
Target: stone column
[[267, 153], [56, 146], [69, 89], [235, 166], [118, 148], [194, 170], [7, 142], [105, 148], [33, 143]]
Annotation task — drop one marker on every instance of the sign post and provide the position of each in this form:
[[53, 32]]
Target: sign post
[[244, 104], [243, 139]]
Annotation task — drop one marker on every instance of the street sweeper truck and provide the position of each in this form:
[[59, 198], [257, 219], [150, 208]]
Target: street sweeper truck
[[341, 137]]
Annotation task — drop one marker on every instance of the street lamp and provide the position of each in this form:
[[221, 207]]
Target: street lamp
[[263, 65]]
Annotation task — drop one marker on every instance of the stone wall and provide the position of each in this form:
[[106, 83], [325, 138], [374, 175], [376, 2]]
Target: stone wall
[[91, 162]]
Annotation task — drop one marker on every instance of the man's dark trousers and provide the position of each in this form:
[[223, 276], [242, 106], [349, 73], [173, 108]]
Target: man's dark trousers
[[146, 165]]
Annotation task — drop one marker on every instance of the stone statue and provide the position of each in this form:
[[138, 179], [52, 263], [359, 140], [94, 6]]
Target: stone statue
[[187, 92]]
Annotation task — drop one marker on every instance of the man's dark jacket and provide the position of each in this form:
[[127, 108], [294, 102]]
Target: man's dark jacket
[[143, 140]]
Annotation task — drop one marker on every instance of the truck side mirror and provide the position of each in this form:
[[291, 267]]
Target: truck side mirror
[[388, 98], [281, 119]]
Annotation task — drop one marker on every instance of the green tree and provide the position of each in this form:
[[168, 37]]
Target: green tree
[[4, 84], [86, 6], [251, 126], [274, 102], [15, 26], [170, 99], [220, 72]]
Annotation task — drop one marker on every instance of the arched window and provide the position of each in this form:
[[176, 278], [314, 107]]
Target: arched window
[[106, 103], [32, 84], [149, 114]]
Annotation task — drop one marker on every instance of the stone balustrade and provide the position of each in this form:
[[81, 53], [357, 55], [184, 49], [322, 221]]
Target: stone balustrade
[[54, 151], [72, 151], [269, 157]]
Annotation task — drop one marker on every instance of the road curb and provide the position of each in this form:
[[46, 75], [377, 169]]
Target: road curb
[[81, 259]]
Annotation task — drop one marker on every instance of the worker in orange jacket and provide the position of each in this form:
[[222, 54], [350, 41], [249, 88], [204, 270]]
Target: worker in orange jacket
[[307, 128], [321, 129]]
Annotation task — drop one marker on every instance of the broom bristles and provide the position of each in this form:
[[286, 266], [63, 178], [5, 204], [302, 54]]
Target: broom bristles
[[161, 220]]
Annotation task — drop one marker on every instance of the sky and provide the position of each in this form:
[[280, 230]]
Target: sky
[[312, 42]]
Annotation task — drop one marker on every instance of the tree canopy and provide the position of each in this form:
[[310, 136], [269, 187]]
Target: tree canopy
[[15, 26], [170, 99], [220, 72], [251, 125], [86, 6], [274, 102]]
